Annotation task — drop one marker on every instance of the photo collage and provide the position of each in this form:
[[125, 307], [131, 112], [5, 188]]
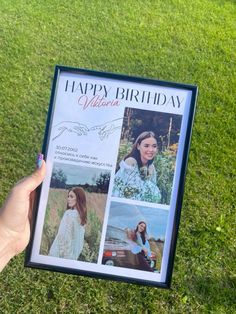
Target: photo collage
[[128, 228]]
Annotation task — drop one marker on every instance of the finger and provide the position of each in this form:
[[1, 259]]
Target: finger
[[30, 213], [84, 126]]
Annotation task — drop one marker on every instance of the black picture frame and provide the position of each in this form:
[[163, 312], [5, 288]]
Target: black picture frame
[[93, 120]]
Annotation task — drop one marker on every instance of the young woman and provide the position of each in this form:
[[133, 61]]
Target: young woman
[[140, 246], [69, 240], [136, 177]]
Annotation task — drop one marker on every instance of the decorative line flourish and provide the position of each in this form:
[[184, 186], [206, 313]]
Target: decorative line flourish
[[104, 130]]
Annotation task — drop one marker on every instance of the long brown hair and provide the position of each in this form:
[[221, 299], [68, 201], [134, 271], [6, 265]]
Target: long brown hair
[[80, 203], [143, 234], [135, 152]]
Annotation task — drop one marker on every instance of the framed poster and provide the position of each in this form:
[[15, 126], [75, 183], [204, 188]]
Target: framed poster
[[116, 149]]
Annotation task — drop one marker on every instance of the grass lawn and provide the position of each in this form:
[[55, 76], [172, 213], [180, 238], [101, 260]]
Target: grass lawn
[[175, 40]]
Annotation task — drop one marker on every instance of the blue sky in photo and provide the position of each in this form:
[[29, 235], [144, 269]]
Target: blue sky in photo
[[79, 174], [129, 215]]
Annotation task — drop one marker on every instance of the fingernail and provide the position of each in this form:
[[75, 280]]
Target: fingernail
[[39, 160]]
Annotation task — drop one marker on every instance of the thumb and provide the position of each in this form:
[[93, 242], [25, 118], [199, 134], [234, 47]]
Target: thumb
[[17, 203], [30, 183]]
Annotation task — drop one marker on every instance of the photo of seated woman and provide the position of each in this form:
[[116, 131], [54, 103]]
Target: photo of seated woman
[[147, 153], [135, 236], [140, 246]]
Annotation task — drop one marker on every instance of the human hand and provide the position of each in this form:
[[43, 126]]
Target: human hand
[[145, 251], [107, 128], [15, 216], [75, 127]]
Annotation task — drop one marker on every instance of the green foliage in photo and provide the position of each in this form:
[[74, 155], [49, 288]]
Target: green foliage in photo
[[165, 167], [92, 239]]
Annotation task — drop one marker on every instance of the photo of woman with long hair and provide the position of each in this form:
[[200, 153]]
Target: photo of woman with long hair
[[69, 240], [136, 175], [140, 246], [135, 236]]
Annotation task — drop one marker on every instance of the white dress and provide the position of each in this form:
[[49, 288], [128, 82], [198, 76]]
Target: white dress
[[134, 183], [69, 240]]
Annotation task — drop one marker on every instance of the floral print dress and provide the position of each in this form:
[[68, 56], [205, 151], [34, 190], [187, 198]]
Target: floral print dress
[[137, 184]]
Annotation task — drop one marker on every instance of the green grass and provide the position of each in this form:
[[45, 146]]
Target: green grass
[[175, 40]]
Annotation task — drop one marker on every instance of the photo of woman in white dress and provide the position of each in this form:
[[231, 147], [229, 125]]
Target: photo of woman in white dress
[[69, 240], [136, 176]]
